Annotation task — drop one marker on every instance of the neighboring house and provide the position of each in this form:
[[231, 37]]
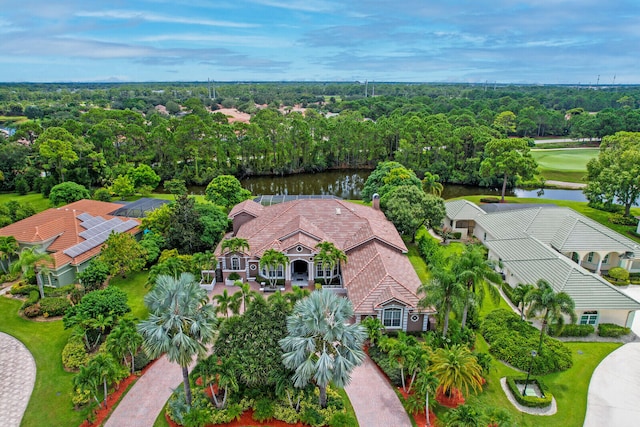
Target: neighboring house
[[565, 248], [377, 277], [71, 234], [459, 217]]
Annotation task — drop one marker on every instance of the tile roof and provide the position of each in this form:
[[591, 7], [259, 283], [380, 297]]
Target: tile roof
[[61, 228], [375, 251], [462, 209], [248, 206]]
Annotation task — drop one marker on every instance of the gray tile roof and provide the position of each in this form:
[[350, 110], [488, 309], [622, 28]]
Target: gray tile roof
[[462, 209]]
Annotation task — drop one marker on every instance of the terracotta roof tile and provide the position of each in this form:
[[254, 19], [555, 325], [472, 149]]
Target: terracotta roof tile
[[58, 229]]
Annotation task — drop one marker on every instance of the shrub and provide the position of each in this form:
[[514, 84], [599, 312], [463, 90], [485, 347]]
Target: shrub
[[67, 192], [234, 276], [286, 413], [264, 410], [22, 288], [530, 401], [33, 298], [102, 194], [612, 330], [32, 311], [619, 273], [341, 419], [140, 361], [312, 416], [382, 360], [456, 235], [621, 219], [489, 200], [54, 306], [572, 330], [74, 354], [511, 341]]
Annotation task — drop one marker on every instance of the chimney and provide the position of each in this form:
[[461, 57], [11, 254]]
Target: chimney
[[375, 201]]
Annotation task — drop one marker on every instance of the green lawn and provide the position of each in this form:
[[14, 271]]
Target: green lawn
[[36, 200], [564, 165], [50, 403]]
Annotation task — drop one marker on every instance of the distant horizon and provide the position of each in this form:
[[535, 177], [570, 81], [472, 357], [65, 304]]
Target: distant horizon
[[528, 42]]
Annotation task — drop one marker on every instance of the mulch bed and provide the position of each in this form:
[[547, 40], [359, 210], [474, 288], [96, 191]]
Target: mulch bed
[[103, 413], [246, 420]]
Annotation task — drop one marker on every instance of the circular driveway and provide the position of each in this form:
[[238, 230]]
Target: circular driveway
[[17, 378]]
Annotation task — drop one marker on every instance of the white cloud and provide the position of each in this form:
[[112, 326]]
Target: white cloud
[[251, 41], [300, 5], [153, 17]]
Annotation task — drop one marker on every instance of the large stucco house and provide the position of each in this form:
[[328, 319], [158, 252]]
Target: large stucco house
[[71, 234], [377, 277], [559, 245]]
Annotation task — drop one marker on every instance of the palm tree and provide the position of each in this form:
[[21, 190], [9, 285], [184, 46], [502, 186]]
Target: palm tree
[[456, 367], [246, 294], [271, 260], [223, 372], [234, 244], [474, 270], [552, 307], [520, 295], [329, 257], [180, 323], [400, 352], [8, 248], [123, 339], [374, 328], [430, 184], [32, 262], [224, 302], [443, 291], [465, 416], [87, 380], [425, 385], [321, 346], [296, 294], [106, 369]]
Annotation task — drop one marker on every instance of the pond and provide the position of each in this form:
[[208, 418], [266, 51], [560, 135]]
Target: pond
[[349, 183]]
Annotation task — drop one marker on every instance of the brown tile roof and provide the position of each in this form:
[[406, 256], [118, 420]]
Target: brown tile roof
[[376, 263], [248, 206], [61, 227]]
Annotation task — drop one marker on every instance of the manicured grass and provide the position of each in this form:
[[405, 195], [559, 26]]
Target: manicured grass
[[134, 286], [564, 165], [36, 200], [50, 403], [13, 120], [161, 421]]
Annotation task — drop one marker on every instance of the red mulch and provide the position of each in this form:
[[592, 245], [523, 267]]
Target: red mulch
[[456, 399], [103, 413], [419, 417], [246, 420]]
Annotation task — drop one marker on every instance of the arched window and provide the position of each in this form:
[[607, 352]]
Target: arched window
[[235, 263]]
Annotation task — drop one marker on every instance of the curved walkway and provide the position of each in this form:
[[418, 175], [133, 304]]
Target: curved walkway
[[142, 404], [374, 400], [614, 390], [17, 378]]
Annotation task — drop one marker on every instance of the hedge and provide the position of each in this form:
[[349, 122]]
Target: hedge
[[530, 401], [572, 330], [54, 306], [511, 340], [612, 330]]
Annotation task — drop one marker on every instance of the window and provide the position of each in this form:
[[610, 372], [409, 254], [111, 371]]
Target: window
[[325, 271], [575, 257], [590, 257], [606, 259], [277, 273], [391, 317], [589, 318], [235, 263]]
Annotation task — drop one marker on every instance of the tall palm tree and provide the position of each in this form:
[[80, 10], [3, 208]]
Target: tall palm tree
[[426, 384], [223, 372], [551, 306], [8, 248], [520, 295], [224, 302], [400, 352], [473, 270], [329, 257], [106, 369], [272, 259], [443, 291], [321, 346], [246, 294], [31, 261], [180, 323], [456, 367]]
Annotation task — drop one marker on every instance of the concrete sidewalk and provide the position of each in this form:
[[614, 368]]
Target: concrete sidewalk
[[614, 390], [17, 378], [374, 400]]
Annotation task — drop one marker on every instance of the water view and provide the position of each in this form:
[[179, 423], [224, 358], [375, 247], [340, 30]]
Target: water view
[[348, 184]]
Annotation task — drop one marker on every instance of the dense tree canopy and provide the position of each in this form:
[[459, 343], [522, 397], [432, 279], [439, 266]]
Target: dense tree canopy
[[409, 208], [615, 175], [508, 158]]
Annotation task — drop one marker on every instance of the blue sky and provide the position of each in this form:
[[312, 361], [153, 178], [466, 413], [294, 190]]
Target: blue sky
[[528, 41]]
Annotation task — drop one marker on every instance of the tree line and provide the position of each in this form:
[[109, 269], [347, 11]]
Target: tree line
[[88, 135]]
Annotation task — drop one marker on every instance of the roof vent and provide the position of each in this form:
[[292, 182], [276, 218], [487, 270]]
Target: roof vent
[[338, 211]]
